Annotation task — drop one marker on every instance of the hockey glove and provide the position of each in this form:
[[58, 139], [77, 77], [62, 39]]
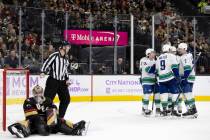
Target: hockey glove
[[184, 81]]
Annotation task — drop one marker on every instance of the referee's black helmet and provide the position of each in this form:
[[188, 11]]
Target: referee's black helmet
[[64, 43]]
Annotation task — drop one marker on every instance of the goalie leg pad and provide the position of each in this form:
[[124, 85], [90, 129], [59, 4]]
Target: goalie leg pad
[[51, 117], [79, 128], [41, 126], [20, 129], [65, 128], [68, 128]]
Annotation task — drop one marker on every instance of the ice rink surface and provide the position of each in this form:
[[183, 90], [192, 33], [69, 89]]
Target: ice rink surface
[[123, 120]]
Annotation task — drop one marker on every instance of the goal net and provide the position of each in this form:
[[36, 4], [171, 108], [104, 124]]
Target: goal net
[[14, 89]]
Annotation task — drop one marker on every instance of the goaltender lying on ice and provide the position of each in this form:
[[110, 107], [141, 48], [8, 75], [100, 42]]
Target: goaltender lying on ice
[[42, 118]]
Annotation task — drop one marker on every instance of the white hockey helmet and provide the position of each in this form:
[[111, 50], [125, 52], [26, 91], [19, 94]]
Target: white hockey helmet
[[183, 46], [166, 48], [173, 49], [148, 51]]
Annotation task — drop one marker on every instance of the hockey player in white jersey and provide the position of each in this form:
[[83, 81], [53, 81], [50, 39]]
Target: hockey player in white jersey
[[188, 78], [168, 78], [148, 81], [173, 50]]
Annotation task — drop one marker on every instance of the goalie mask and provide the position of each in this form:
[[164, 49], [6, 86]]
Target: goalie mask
[[38, 94]]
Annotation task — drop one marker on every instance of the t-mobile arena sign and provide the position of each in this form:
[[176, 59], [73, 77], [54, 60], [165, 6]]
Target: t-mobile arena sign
[[82, 37]]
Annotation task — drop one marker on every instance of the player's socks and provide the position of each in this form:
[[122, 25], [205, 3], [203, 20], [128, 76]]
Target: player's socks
[[164, 101], [157, 100], [180, 105]]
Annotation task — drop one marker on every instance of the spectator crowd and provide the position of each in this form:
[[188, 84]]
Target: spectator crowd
[[170, 26]]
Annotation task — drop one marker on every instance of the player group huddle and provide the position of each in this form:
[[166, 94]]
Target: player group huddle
[[169, 77]]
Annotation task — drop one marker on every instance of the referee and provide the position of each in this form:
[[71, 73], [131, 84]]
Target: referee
[[56, 67]]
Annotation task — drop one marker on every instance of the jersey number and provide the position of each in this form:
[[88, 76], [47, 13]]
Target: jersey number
[[162, 65]]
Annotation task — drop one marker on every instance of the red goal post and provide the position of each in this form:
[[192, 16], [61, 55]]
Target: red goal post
[[4, 74]]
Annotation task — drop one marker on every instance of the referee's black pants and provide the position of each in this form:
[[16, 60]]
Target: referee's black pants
[[54, 86]]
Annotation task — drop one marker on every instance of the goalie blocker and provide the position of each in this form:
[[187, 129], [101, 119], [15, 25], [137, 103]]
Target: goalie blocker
[[41, 118]]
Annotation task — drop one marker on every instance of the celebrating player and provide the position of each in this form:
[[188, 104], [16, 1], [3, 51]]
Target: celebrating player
[[188, 78], [173, 50], [148, 81], [168, 77], [41, 118]]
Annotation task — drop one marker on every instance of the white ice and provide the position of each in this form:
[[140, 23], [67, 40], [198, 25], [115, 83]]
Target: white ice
[[123, 120]]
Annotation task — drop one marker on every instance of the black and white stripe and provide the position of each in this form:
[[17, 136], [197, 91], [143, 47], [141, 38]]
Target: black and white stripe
[[56, 66]]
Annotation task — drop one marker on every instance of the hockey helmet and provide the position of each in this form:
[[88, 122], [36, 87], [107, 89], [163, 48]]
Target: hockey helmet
[[166, 48], [173, 49], [148, 51], [183, 46], [63, 44], [37, 90]]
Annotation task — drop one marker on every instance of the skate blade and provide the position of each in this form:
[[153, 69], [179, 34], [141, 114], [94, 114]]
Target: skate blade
[[15, 131], [84, 132], [168, 115], [147, 116], [175, 117], [163, 117], [191, 116], [157, 115]]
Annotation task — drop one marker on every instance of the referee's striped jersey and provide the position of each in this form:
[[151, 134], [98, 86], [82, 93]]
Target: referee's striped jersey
[[56, 66]]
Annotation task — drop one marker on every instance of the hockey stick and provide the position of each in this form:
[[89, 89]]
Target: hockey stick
[[196, 60], [179, 86], [153, 99], [154, 90]]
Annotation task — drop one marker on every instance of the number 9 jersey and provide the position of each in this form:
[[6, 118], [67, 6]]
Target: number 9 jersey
[[165, 65]]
